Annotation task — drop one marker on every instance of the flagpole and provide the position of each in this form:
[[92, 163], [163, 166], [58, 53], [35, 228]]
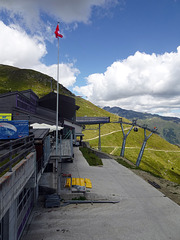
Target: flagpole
[[57, 33], [57, 104]]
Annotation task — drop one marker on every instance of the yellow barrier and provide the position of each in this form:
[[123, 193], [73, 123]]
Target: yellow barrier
[[82, 183], [73, 181], [88, 183], [68, 182], [78, 182]]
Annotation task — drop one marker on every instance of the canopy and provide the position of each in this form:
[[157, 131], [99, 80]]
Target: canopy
[[45, 126]]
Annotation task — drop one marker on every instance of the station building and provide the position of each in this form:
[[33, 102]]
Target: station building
[[30, 156]]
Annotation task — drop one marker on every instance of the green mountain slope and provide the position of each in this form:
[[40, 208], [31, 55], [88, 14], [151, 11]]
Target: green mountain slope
[[160, 157], [12, 79], [168, 127], [169, 130]]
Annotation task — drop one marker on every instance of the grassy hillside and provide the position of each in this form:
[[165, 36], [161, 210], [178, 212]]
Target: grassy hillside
[[169, 130], [168, 127], [13, 79], [160, 157]]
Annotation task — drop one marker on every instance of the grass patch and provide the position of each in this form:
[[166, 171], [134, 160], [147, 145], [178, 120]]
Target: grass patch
[[125, 164], [90, 156], [152, 173], [81, 198]]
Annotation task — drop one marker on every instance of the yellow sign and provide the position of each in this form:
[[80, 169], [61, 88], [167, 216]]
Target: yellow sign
[[5, 116]]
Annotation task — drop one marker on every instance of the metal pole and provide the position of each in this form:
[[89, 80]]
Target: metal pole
[[143, 147], [123, 146], [10, 168], [71, 144], [59, 169], [57, 104], [59, 176], [124, 139], [99, 144]]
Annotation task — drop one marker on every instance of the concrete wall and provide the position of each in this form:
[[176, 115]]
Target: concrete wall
[[12, 220], [12, 183]]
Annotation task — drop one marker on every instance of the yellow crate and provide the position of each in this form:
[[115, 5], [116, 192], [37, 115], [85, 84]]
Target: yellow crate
[[88, 183], [73, 181], [68, 182], [82, 183], [77, 181]]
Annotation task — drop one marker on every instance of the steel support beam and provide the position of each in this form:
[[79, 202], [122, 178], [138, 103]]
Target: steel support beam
[[143, 147], [99, 143], [124, 139]]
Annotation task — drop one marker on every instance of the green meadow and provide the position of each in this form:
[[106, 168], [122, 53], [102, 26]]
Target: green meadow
[[160, 157]]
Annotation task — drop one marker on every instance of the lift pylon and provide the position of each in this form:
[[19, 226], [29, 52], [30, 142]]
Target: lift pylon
[[125, 136], [144, 144]]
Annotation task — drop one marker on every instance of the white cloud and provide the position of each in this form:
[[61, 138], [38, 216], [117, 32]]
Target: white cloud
[[20, 50], [142, 82], [67, 73], [68, 11]]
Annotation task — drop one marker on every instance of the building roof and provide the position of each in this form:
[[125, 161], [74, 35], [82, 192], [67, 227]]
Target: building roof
[[92, 120], [39, 134], [51, 128]]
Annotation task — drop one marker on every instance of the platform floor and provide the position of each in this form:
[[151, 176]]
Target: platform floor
[[143, 213]]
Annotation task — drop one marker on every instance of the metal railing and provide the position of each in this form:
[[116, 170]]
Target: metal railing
[[92, 120], [13, 151], [68, 134]]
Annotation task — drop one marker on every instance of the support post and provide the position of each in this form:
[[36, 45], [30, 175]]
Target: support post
[[71, 144], [59, 167], [58, 163], [59, 175], [10, 168], [143, 147], [99, 144], [124, 139], [57, 102]]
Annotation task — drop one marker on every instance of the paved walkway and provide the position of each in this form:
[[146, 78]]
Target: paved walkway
[[143, 212]]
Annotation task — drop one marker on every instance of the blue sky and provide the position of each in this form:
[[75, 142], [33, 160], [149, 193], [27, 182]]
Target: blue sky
[[114, 52]]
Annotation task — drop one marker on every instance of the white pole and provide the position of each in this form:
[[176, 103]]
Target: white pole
[[57, 109], [57, 104]]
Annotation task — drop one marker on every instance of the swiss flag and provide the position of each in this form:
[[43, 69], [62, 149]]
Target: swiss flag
[[57, 33]]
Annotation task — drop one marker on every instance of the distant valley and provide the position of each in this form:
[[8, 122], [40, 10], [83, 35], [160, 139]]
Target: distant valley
[[168, 127]]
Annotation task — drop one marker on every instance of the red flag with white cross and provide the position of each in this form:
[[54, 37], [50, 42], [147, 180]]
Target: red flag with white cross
[[57, 32]]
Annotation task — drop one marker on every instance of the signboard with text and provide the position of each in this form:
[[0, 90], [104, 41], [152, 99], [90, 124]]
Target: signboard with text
[[5, 116], [14, 129]]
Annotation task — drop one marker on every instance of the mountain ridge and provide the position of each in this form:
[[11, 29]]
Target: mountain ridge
[[160, 157], [140, 115], [13, 78], [168, 127]]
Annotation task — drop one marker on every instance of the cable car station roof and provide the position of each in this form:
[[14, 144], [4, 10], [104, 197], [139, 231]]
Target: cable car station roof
[[102, 120], [92, 120]]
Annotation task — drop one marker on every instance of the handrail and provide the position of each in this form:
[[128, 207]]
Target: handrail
[[67, 135], [15, 151], [16, 159], [14, 142]]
